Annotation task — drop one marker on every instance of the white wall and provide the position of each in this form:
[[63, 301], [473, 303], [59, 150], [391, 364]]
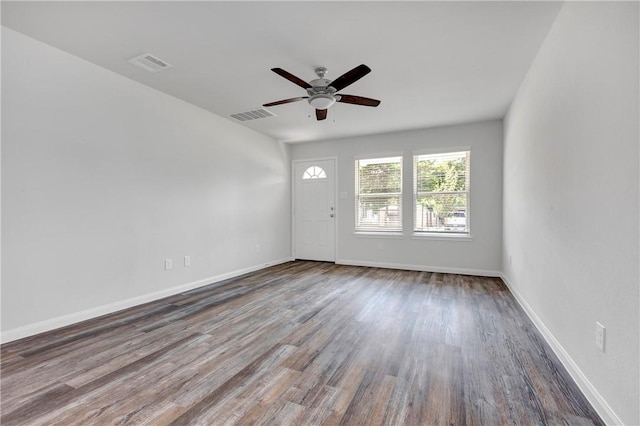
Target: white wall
[[571, 198], [480, 255], [104, 178]]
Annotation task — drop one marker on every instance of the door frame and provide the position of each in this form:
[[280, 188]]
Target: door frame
[[335, 203]]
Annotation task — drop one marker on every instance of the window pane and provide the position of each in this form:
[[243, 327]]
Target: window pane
[[382, 176], [314, 172], [441, 183], [436, 173], [441, 213], [379, 194], [379, 212]]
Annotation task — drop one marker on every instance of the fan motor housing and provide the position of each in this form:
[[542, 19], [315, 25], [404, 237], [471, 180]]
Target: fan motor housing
[[321, 83]]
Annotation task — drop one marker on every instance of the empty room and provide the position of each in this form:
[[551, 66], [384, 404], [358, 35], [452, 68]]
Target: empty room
[[320, 213]]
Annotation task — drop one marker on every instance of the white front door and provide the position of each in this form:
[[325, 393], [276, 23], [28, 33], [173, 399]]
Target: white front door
[[314, 210]]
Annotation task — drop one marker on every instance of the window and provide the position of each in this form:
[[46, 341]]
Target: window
[[314, 172], [441, 187], [379, 194]]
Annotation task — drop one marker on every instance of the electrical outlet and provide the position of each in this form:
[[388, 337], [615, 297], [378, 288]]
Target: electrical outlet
[[600, 336], [257, 248], [187, 261], [168, 264], [509, 260]]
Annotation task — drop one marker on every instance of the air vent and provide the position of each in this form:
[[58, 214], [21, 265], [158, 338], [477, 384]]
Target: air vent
[[252, 115], [149, 62]]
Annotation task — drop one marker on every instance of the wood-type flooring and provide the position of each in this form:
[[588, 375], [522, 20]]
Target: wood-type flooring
[[303, 343]]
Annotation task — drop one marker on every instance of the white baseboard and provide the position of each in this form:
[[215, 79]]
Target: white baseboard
[[65, 320], [425, 268], [590, 392]]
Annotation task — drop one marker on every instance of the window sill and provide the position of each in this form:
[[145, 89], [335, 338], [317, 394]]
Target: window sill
[[441, 236], [379, 234]]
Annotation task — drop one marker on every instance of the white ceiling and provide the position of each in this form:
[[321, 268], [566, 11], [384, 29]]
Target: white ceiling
[[434, 63]]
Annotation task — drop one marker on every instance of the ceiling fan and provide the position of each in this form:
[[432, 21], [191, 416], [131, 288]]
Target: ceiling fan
[[323, 93]]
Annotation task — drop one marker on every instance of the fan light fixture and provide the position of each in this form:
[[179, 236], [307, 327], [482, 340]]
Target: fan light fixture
[[321, 101]]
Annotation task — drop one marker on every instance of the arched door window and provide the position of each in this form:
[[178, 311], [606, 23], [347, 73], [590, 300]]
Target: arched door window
[[314, 172]]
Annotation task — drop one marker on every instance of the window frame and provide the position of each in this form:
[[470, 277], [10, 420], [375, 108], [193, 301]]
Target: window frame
[[442, 234], [378, 230]]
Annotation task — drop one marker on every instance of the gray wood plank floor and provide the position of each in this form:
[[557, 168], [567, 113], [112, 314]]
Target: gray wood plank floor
[[300, 343]]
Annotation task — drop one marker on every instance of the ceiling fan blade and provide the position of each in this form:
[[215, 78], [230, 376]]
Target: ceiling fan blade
[[321, 114], [350, 77], [292, 78], [285, 101], [358, 100]]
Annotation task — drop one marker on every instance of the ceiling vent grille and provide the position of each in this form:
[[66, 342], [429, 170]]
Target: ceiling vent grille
[[150, 63], [252, 115]]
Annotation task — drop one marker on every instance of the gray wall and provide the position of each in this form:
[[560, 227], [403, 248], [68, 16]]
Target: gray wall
[[104, 178], [479, 255], [571, 198]]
